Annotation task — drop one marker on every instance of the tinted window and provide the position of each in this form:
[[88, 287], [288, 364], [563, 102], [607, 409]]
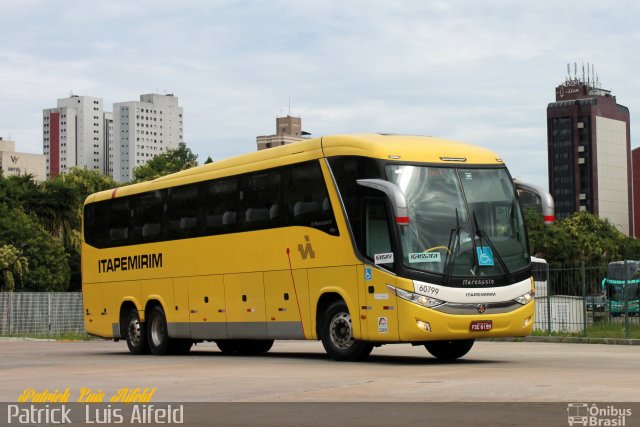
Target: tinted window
[[119, 215], [279, 197], [147, 217], [182, 212], [262, 200], [220, 206], [308, 202]]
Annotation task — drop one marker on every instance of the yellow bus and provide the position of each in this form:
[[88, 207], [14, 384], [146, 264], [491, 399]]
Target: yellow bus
[[354, 240]]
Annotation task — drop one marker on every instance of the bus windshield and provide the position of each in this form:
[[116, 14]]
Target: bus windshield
[[463, 222]]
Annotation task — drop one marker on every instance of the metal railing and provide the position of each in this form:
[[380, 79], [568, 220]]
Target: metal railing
[[40, 313], [570, 299]]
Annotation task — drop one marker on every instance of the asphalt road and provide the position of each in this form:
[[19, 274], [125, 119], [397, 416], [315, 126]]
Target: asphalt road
[[296, 371]]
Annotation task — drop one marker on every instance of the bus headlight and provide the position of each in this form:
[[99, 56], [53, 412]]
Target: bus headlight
[[415, 298], [524, 299]]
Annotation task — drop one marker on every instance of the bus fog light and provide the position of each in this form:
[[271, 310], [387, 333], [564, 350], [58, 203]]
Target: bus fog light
[[423, 325], [526, 322], [524, 299]]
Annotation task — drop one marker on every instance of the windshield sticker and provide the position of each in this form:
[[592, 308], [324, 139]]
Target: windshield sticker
[[468, 176], [485, 256], [424, 257], [383, 258]]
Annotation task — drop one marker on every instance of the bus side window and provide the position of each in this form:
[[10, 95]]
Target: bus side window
[[220, 199], [182, 211], [376, 229], [119, 214], [147, 217], [261, 199], [308, 201]]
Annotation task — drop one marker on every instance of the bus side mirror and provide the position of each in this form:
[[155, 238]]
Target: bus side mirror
[[395, 195]]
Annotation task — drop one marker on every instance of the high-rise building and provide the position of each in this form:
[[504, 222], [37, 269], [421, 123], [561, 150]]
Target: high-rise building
[[588, 140], [288, 130], [72, 135], [142, 130], [14, 163], [635, 165], [108, 143]]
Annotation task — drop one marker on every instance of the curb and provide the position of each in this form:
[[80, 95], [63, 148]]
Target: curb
[[570, 340], [26, 339]]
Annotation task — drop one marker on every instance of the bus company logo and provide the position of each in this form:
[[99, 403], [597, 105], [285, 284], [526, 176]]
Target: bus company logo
[[306, 251], [136, 262], [585, 415], [482, 308]]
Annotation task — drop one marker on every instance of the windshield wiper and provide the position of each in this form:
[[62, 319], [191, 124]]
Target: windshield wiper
[[448, 262], [482, 235]]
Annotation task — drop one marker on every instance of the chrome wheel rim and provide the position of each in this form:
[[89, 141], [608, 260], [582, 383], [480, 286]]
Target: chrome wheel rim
[[341, 331], [133, 332], [157, 331]]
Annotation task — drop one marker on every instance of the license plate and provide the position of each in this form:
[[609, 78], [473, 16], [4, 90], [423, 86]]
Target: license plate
[[481, 325]]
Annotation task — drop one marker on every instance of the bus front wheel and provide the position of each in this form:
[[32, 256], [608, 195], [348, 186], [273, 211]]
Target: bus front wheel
[[449, 350], [337, 335], [135, 333]]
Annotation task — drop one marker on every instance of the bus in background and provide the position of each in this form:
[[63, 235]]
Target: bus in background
[[536, 197], [354, 240], [621, 288], [540, 274]]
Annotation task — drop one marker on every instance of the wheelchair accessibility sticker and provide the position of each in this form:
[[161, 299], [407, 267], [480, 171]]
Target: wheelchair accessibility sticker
[[485, 256], [368, 274]]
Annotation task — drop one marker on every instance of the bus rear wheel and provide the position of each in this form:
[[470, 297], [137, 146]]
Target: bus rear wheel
[[157, 335], [135, 333], [336, 332], [449, 350]]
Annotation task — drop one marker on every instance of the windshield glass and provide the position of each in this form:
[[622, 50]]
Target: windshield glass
[[463, 222]]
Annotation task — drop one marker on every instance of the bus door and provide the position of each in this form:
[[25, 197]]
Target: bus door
[[380, 306]]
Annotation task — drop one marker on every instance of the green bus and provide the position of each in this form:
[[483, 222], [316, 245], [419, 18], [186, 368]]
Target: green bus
[[621, 287]]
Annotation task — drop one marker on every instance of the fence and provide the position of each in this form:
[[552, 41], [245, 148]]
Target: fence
[[41, 313], [571, 299]]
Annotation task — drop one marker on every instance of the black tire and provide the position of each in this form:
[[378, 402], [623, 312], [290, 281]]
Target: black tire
[[180, 346], [336, 333], [227, 346], [134, 332], [449, 350], [244, 346], [157, 335], [254, 346]]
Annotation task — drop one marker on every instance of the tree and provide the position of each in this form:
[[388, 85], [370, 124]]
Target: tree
[[582, 237], [174, 160], [12, 266], [47, 259], [209, 160]]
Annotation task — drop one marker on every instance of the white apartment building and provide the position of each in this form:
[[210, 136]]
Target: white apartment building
[[14, 163], [108, 143], [142, 130], [72, 135]]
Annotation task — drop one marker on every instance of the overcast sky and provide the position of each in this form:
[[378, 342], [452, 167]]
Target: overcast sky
[[481, 72]]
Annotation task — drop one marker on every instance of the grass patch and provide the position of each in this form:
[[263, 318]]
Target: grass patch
[[599, 330]]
